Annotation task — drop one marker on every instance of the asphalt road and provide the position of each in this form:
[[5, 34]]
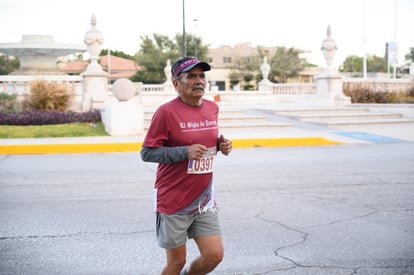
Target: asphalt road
[[346, 209]]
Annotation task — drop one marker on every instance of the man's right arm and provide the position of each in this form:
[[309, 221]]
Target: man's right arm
[[165, 155]]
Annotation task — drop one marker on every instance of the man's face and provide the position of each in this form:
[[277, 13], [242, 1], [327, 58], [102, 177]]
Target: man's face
[[191, 85]]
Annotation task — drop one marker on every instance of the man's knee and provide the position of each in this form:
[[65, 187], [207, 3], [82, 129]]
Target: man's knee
[[176, 258], [174, 267], [214, 259], [179, 262]]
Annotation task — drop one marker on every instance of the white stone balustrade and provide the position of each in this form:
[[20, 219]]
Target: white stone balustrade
[[156, 93], [19, 84], [293, 89], [153, 88]]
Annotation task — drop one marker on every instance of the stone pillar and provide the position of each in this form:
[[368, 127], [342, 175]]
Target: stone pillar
[[124, 117], [95, 89], [95, 78], [329, 86]]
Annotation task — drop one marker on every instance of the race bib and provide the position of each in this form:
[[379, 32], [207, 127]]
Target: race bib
[[204, 165]]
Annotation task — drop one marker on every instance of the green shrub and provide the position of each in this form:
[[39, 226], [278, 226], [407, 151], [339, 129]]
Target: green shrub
[[248, 87], [8, 103]]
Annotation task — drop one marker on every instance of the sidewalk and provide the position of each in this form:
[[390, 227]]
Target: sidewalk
[[278, 130], [241, 137]]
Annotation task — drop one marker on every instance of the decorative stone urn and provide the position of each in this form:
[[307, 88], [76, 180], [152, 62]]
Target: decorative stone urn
[[167, 71], [265, 69], [95, 78], [329, 49], [168, 84], [94, 40], [329, 88], [265, 84]]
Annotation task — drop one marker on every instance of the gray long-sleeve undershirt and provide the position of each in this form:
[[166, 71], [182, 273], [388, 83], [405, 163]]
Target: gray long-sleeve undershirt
[[165, 155]]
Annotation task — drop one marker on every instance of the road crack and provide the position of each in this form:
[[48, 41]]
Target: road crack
[[72, 235]]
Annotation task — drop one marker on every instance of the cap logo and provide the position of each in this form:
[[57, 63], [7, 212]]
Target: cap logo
[[184, 65]]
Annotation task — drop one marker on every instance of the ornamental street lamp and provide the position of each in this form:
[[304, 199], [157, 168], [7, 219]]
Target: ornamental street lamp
[[184, 39]]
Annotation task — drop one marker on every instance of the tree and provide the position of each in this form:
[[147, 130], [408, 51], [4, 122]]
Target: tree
[[376, 64], [193, 44], [353, 64], [152, 58], [409, 57], [246, 68], [285, 63], [116, 53], [155, 50], [8, 64]]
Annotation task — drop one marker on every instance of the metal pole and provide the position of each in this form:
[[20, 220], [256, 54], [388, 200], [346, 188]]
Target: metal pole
[[109, 60], [364, 59], [184, 39], [195, 37], [395, 39]]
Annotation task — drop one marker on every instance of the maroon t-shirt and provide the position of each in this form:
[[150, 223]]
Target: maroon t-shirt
[[178, 124]]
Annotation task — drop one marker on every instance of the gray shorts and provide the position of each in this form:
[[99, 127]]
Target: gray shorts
[[173, 230]]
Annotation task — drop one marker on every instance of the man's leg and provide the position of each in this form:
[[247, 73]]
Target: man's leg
[[175, 260], [211, 254]]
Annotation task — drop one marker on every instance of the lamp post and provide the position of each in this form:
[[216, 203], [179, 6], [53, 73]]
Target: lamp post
[[364, 41], [195, 37], [184, 38], [395, 40]]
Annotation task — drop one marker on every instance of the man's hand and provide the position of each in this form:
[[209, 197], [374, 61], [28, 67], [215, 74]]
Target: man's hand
[[196, 151], [225, 145]]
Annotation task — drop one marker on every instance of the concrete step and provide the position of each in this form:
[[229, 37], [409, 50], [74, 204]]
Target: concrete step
[[384, 121], [346, 116], [150, 112], [234, 118], [254, 125], [321, 111]]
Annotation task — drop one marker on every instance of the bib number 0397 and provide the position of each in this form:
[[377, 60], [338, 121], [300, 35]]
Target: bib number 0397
[[203, 165]]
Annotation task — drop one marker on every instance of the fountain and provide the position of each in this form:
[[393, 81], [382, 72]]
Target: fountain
[[38, 54]]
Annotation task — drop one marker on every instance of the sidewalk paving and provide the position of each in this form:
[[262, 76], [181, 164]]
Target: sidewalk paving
[[241, 137], [294, 133]]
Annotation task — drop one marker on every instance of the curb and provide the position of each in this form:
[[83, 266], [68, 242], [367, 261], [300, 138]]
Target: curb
[[62, 148]]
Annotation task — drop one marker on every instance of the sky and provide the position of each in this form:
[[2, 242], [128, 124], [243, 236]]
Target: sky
[[357, 26]]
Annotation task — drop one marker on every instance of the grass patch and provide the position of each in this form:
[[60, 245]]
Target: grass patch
[[57, 130]]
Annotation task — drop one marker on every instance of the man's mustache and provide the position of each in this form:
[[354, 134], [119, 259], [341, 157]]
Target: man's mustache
[[198, 87]]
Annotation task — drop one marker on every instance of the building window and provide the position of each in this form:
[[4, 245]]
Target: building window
[[226, 59]]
